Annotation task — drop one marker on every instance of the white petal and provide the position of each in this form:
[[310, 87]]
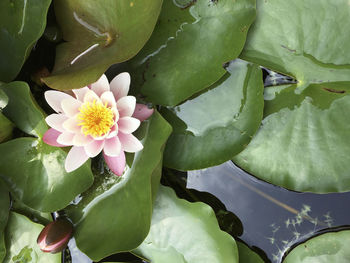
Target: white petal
[[71, 106], [101, 85], [54, 98], [80, 93], [50, 138], [120, 85], [56, 121], [75, 158], [108, 97], [81, 139], [126, 106], [128, 124], [113, 132], [94, 148], [90, 96], [130, 143], [71, 125], [112, 147], [66, 138]]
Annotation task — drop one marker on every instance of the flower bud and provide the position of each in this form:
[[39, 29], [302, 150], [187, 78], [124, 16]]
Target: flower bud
[[55, 236]]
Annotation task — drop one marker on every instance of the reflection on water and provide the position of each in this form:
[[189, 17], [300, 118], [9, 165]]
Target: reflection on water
[[273, 218]]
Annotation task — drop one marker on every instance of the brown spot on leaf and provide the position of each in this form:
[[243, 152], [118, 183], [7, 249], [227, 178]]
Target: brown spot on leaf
[[334, 90]]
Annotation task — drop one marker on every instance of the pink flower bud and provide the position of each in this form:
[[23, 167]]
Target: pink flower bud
[[55, 236]]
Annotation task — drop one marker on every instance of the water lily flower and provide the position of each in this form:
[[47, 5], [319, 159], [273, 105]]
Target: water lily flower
[[99, 117], [55, 236]]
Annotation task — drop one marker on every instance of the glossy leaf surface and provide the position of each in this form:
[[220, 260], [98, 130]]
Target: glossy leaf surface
[[190, 44], [33, 170], [246, 255], [21, 234], [329, 247], [4, 213], [216, 125], [185, 232], [22, 23], [6, 127], [99, 34], [114, 215], [303, 142], [309, 40]]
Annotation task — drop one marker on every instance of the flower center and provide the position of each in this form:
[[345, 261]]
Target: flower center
[[96, 119]]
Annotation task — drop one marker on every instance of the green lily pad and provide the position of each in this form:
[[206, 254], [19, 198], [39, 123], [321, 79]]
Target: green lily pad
[[303, 142], [21, 235], [185, 232], [309, 40], [99, 34], [206, 133], [190, 44], [114, 215], [4, 213], [33, 170], [3, 99], [22, 23], [6, 127], [246, 255], [329, 247]]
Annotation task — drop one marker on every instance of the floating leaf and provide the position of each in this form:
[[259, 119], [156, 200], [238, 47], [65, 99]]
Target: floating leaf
[[22, 23], [190, 44], [185, 232], [309, 40], [99, 34], [329, 247], [246, 255], [115, 214], [21, 235], [214, 126], [4, 213], [6, 128], [303, 142], [33, 170]]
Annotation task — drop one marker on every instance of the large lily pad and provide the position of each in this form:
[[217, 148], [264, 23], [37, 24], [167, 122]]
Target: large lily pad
[[21, 235], [99, 34], [205, 132], [184, 232], [309, 40], [190, 44], [329, 247], [303, 142], [115, 214], [6, 127], [246, 255], [4, 213], [22, 23], [33, 170]]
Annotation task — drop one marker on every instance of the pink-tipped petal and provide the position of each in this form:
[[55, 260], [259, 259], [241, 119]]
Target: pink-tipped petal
[[120, 85], [128, 124], [108, 97], [113, 132], [126, 106], [55, 121], [129, 143], [91, 96], [66, 138], [80, 139], [142, 112], [54, 98], [50, 138], [80, 93], [75, 158], [116, 164], [71, 106], [94, 148], [112, 147], [71, 125], [101, 85]]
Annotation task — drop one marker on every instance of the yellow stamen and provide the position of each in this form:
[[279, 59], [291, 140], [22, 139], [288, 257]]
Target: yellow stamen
[[96, 118]]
